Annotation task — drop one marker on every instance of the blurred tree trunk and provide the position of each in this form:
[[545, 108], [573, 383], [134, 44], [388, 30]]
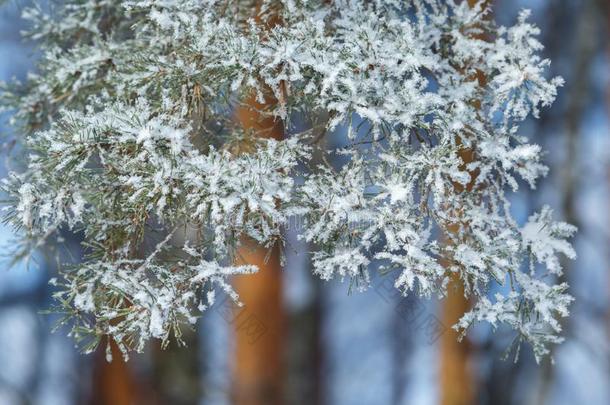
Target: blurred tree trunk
[[176, 373], [456, 376], [258, 371], [259, 324], [259, 334], [113, 382], [457, 379], [401, 345], [606, 9], [304, 350], [584, 48]]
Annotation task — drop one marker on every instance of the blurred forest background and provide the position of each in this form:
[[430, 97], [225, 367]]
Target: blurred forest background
[[315, 343]]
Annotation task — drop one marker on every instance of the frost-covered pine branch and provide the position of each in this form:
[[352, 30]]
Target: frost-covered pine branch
[[131, 141]]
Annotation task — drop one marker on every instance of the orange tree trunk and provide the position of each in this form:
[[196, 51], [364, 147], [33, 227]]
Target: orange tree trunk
[[457, 383], [113, 382], [457, 380], [259, 324]]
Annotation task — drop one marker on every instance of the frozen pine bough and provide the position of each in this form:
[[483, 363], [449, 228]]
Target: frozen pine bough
[[132, 143]]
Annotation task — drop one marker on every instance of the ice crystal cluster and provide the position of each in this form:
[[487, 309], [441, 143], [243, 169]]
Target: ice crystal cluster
[[132, 144]]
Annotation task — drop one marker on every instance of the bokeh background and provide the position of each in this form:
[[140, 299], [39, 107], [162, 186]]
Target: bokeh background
[[342, 348]]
